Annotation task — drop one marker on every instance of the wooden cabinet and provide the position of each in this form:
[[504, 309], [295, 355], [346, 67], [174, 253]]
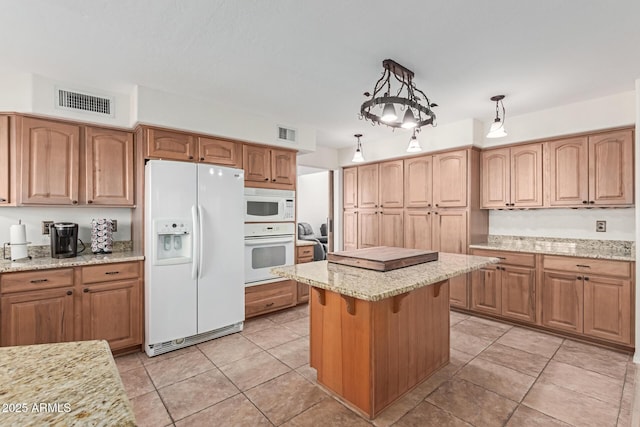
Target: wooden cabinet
[[37, 307], [303, 254], [374, 228], [591, 297], [169, 145], [418, 175], [391, 228], [108, 167], [418, 229], [391, 184], [220, 152], [368, 228], [450, 179], [591, 170], [450, 231], [263, 299], [350, 188], [486, 290], [518, 293], [368, 186], [512, 177], [50, 153], [5, 170], [269, 168], [350, 230]]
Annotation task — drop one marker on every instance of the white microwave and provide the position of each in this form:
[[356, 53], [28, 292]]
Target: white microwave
[[267, 205]]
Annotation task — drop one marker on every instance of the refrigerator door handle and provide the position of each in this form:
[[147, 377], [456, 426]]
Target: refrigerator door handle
[[196, 236], [200, 242]]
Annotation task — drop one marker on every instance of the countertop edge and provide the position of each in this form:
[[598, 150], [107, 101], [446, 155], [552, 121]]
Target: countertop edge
[[600, 255], [50, 263]]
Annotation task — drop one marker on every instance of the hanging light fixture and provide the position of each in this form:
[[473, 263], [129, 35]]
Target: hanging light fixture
[[357, 156], [382, 105], [414, 144], [497, 127]]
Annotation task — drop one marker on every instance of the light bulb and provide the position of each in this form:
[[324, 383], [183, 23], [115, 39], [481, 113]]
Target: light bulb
[[409, 121], [388, 113], [496, 130]]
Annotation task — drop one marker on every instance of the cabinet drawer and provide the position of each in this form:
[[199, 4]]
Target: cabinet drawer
[[302, 260], [588, 265], [110, 272], [515, 258], [305, 251], [270, 297], [35, 280]]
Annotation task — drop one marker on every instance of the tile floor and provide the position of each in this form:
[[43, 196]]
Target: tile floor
[[499, 375]]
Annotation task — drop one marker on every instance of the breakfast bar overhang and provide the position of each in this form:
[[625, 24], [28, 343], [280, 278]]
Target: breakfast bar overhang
[[376, 335]]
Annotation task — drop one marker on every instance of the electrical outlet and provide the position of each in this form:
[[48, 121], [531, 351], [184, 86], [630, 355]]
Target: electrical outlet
[[601, 226], [45, 227], [114, 225]]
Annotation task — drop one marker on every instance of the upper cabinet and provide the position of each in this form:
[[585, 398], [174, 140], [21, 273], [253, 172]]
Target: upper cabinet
[[368, 186], [450, 179], [418, 175], [269, 167], [591, 170], [512, 177], [391, 184], [220, 151], [350, 193], [376, 185], [108, 167], [169, 145], [5, 171]]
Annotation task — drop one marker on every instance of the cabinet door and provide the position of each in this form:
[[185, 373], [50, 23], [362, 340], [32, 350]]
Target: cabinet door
[[526, 176], [368, 186], [283, 167], [391, 228], [417, 229], [450, 231], [303, 292], [607, 308], [418, 174], [391, 184], [220, 152], [568, 172], [562, 299], [37, 317], [518, 293], [4, 161], [450, 179], [495, 170], [458, 293], [611, 169], [257, 163], [111, 311], [368, 228], [350, 188], [486, 290], [108, 167], [50, 162], [164, 144], [350, 235]]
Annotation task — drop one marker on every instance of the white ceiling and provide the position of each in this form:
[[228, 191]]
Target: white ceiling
[[309, 62]]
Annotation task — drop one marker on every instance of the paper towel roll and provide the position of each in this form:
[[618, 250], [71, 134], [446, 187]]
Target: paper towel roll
[[18, 240]]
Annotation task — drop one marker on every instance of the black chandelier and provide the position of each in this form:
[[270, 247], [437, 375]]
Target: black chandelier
[[381, 107]]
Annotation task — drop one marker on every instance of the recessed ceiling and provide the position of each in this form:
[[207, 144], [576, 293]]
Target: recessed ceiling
[[309, 63]]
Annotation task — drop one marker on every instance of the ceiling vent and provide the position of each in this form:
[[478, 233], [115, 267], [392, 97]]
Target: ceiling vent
[[287, 134], [89, 103]]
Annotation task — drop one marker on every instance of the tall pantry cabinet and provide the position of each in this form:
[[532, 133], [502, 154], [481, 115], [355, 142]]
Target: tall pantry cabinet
[[426, 202]]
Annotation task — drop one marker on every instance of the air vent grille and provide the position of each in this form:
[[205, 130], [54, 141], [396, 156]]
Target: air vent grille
[[77, 101], [287, 134]]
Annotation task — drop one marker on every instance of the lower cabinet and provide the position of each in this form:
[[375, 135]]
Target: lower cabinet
[[275, 296], [98, 302], [562, 301]]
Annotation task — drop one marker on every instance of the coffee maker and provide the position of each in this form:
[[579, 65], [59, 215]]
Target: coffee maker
[[64, 239]]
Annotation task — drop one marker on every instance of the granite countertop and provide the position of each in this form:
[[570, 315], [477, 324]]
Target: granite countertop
[[305, 243], [600, 249], [7, 266], [65, 384], [372, 285]]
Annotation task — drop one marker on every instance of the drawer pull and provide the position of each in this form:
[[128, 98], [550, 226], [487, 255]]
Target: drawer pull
[[583, 265], [586, 278], [39, 280], [269, 305], [69, 292], [501, 257], [85, 290], [110, 273], [579, 277]]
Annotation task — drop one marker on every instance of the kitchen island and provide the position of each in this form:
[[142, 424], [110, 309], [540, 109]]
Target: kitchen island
[[376, 335], [63, 384]]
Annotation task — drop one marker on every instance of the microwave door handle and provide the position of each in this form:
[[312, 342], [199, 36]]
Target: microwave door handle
[[260, 242], [201, 242], [195, 243]]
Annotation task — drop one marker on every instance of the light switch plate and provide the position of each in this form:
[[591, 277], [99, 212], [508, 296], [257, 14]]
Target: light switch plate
[[601, 226], [45, 227]]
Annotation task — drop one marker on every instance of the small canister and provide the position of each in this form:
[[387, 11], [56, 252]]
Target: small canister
[[101, 236]]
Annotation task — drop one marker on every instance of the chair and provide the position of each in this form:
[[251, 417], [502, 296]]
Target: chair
[[305, 232]]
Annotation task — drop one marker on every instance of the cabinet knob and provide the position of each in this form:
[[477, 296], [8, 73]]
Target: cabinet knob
[[266, 179], [85, 290], [428, 205], [435, 213], [201, 158], [69, 292], [584, 202], [274, 180], [506, 204], [591, 202], [498, 268], [579, 277], [190, 157], [436, 205], [586, 278], [428, 213], [75, 202], [2, 199], [89, 201], [512, 204]]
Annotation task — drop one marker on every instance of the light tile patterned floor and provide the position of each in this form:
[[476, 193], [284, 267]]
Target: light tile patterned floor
[[499, 375]]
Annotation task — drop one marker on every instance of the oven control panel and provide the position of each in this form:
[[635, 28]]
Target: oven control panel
[[287, 215], [269, 229]]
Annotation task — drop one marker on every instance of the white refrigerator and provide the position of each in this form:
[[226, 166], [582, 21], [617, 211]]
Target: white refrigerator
[[194, 254]]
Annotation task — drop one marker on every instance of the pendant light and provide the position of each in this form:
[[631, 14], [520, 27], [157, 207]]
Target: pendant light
[[497, 127], [409, 121], [389, 113], [357, 156], [414, 144]]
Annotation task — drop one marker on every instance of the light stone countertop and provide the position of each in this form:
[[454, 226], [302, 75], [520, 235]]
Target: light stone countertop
[[372, 285], [7, 266], [559, 248], [305, 243], [64, 384]]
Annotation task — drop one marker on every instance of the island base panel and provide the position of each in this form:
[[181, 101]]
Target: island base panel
[[372, 357]]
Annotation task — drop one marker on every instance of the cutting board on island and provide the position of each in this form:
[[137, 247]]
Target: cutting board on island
[[382, 258]]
